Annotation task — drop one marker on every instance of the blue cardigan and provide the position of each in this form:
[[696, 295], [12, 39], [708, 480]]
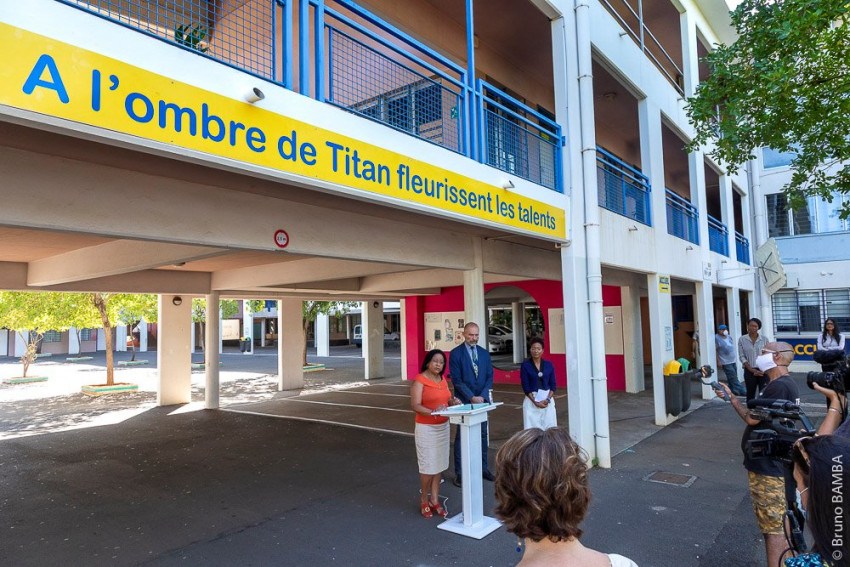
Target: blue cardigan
[[530, 380]]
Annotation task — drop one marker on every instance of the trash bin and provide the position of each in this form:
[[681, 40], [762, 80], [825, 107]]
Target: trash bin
[[673, 387], [244, 345]]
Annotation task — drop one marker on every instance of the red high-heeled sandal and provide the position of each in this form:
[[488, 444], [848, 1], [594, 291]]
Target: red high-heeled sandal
[[426, 510], [440, 510]]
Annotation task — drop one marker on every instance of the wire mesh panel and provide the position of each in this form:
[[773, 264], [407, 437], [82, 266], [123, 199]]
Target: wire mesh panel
[[742, 248], [235, 32], [517, 139], [682, 218], [367, 80], [718, 236], [621, 188]]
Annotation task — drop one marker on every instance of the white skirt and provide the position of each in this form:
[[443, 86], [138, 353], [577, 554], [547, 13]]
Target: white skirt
[[542, 418], [432, 447]]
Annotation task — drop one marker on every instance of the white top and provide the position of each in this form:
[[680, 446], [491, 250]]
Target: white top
[[829, 343], [620, 561]]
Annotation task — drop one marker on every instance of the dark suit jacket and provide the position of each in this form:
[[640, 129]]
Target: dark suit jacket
[[462, 373]]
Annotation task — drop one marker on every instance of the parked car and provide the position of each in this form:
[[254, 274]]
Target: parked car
[[499, 340], [358, 335]]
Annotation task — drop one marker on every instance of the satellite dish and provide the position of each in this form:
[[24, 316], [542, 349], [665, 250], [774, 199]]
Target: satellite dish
[[770, 267]]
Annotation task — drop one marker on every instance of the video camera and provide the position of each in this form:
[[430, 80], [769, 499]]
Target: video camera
[[838, 376], [781, 430]]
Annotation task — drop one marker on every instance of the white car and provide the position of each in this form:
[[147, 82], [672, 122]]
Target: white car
[[358, 335]]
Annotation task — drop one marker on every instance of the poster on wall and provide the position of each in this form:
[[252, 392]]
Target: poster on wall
[[443, 330], [556, 340], [230, 329]]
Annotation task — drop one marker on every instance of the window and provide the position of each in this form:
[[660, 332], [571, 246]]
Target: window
[[805, 311], [52, 337], [773, 158], [818, 216], [86, 335], [838, 307]]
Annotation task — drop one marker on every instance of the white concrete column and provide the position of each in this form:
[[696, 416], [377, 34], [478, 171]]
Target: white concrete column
[[661, 336], [733, 304], [727, 209], [263, 332], [518, 326], [120, 338], [373, 339], [248, 324], [632, 339], [290, 341], [696, 171], [174, 359], [402, 321], [211, 358], [220, 341], [192, 338], [705, 318], [143, 336], [100, 342], [73, 341], [323, 335], [475, 310], [690, 57], [4, 342], [652, 161], [746, 229]]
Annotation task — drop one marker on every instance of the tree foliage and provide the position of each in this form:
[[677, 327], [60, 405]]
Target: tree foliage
[[30, 315], [312, 309], [784, 84]]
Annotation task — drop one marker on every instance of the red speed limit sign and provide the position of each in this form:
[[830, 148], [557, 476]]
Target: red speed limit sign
[[281, 238]]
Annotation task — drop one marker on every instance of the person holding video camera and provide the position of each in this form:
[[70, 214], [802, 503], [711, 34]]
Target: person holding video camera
[[822, 477], [766, 476]]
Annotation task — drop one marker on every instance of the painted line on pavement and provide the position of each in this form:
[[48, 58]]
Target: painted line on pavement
[[342, 405], [324, 421]]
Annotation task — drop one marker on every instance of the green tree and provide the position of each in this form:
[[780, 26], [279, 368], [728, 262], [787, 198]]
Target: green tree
[[78, 311], [131, 308], [784, 84], [30, 315], [312, 309]]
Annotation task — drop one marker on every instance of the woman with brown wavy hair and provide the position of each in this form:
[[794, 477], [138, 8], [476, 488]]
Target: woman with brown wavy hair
[[543, 494]]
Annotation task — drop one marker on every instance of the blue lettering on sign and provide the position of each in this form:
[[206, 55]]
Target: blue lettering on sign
[[54, 83]]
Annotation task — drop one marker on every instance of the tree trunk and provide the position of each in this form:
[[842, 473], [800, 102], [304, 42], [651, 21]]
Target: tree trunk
[[25, 359], [304, 349], [100, 303], [201, 326]]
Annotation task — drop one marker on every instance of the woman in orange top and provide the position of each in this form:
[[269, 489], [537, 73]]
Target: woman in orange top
[[429, 392]]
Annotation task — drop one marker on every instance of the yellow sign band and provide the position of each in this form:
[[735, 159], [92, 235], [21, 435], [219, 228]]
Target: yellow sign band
[[65, 81]]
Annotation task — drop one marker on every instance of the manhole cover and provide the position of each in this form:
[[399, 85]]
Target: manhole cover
[[673, 479]]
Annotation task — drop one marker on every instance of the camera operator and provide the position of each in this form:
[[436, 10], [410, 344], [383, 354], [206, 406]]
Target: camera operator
[[837, 403], [766, 476], [822, 475]]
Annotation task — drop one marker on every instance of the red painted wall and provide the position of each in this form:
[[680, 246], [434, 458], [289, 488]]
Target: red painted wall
[[548, 295]]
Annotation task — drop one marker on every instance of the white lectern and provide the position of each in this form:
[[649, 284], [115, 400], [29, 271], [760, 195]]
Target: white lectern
[[472, 522]]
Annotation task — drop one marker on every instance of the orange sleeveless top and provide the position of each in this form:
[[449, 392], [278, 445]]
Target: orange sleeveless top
[[433, 395]]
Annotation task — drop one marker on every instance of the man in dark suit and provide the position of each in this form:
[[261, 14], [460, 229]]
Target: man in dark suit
[[471, 371]]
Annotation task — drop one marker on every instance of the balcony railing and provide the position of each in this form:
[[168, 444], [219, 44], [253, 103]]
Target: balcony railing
[[517, 139], [632, 21], [742, 248], [352, 59], [622, 189], [718, 236], [682, 218]]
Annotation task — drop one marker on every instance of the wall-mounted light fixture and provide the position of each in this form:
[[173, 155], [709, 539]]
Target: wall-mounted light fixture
[[633, 228], [507, 184], [375, 304], [177, 300], [254, 95], [688, 247]]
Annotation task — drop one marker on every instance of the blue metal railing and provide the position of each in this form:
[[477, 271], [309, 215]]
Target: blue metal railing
[[243, 38], [622, 189], [517, 139], [682, 218], [718, 236], [348, 57], [381, 73], [742, 248]]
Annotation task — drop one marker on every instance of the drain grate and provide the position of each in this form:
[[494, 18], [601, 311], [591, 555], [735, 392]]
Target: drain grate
[[673, 479]]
